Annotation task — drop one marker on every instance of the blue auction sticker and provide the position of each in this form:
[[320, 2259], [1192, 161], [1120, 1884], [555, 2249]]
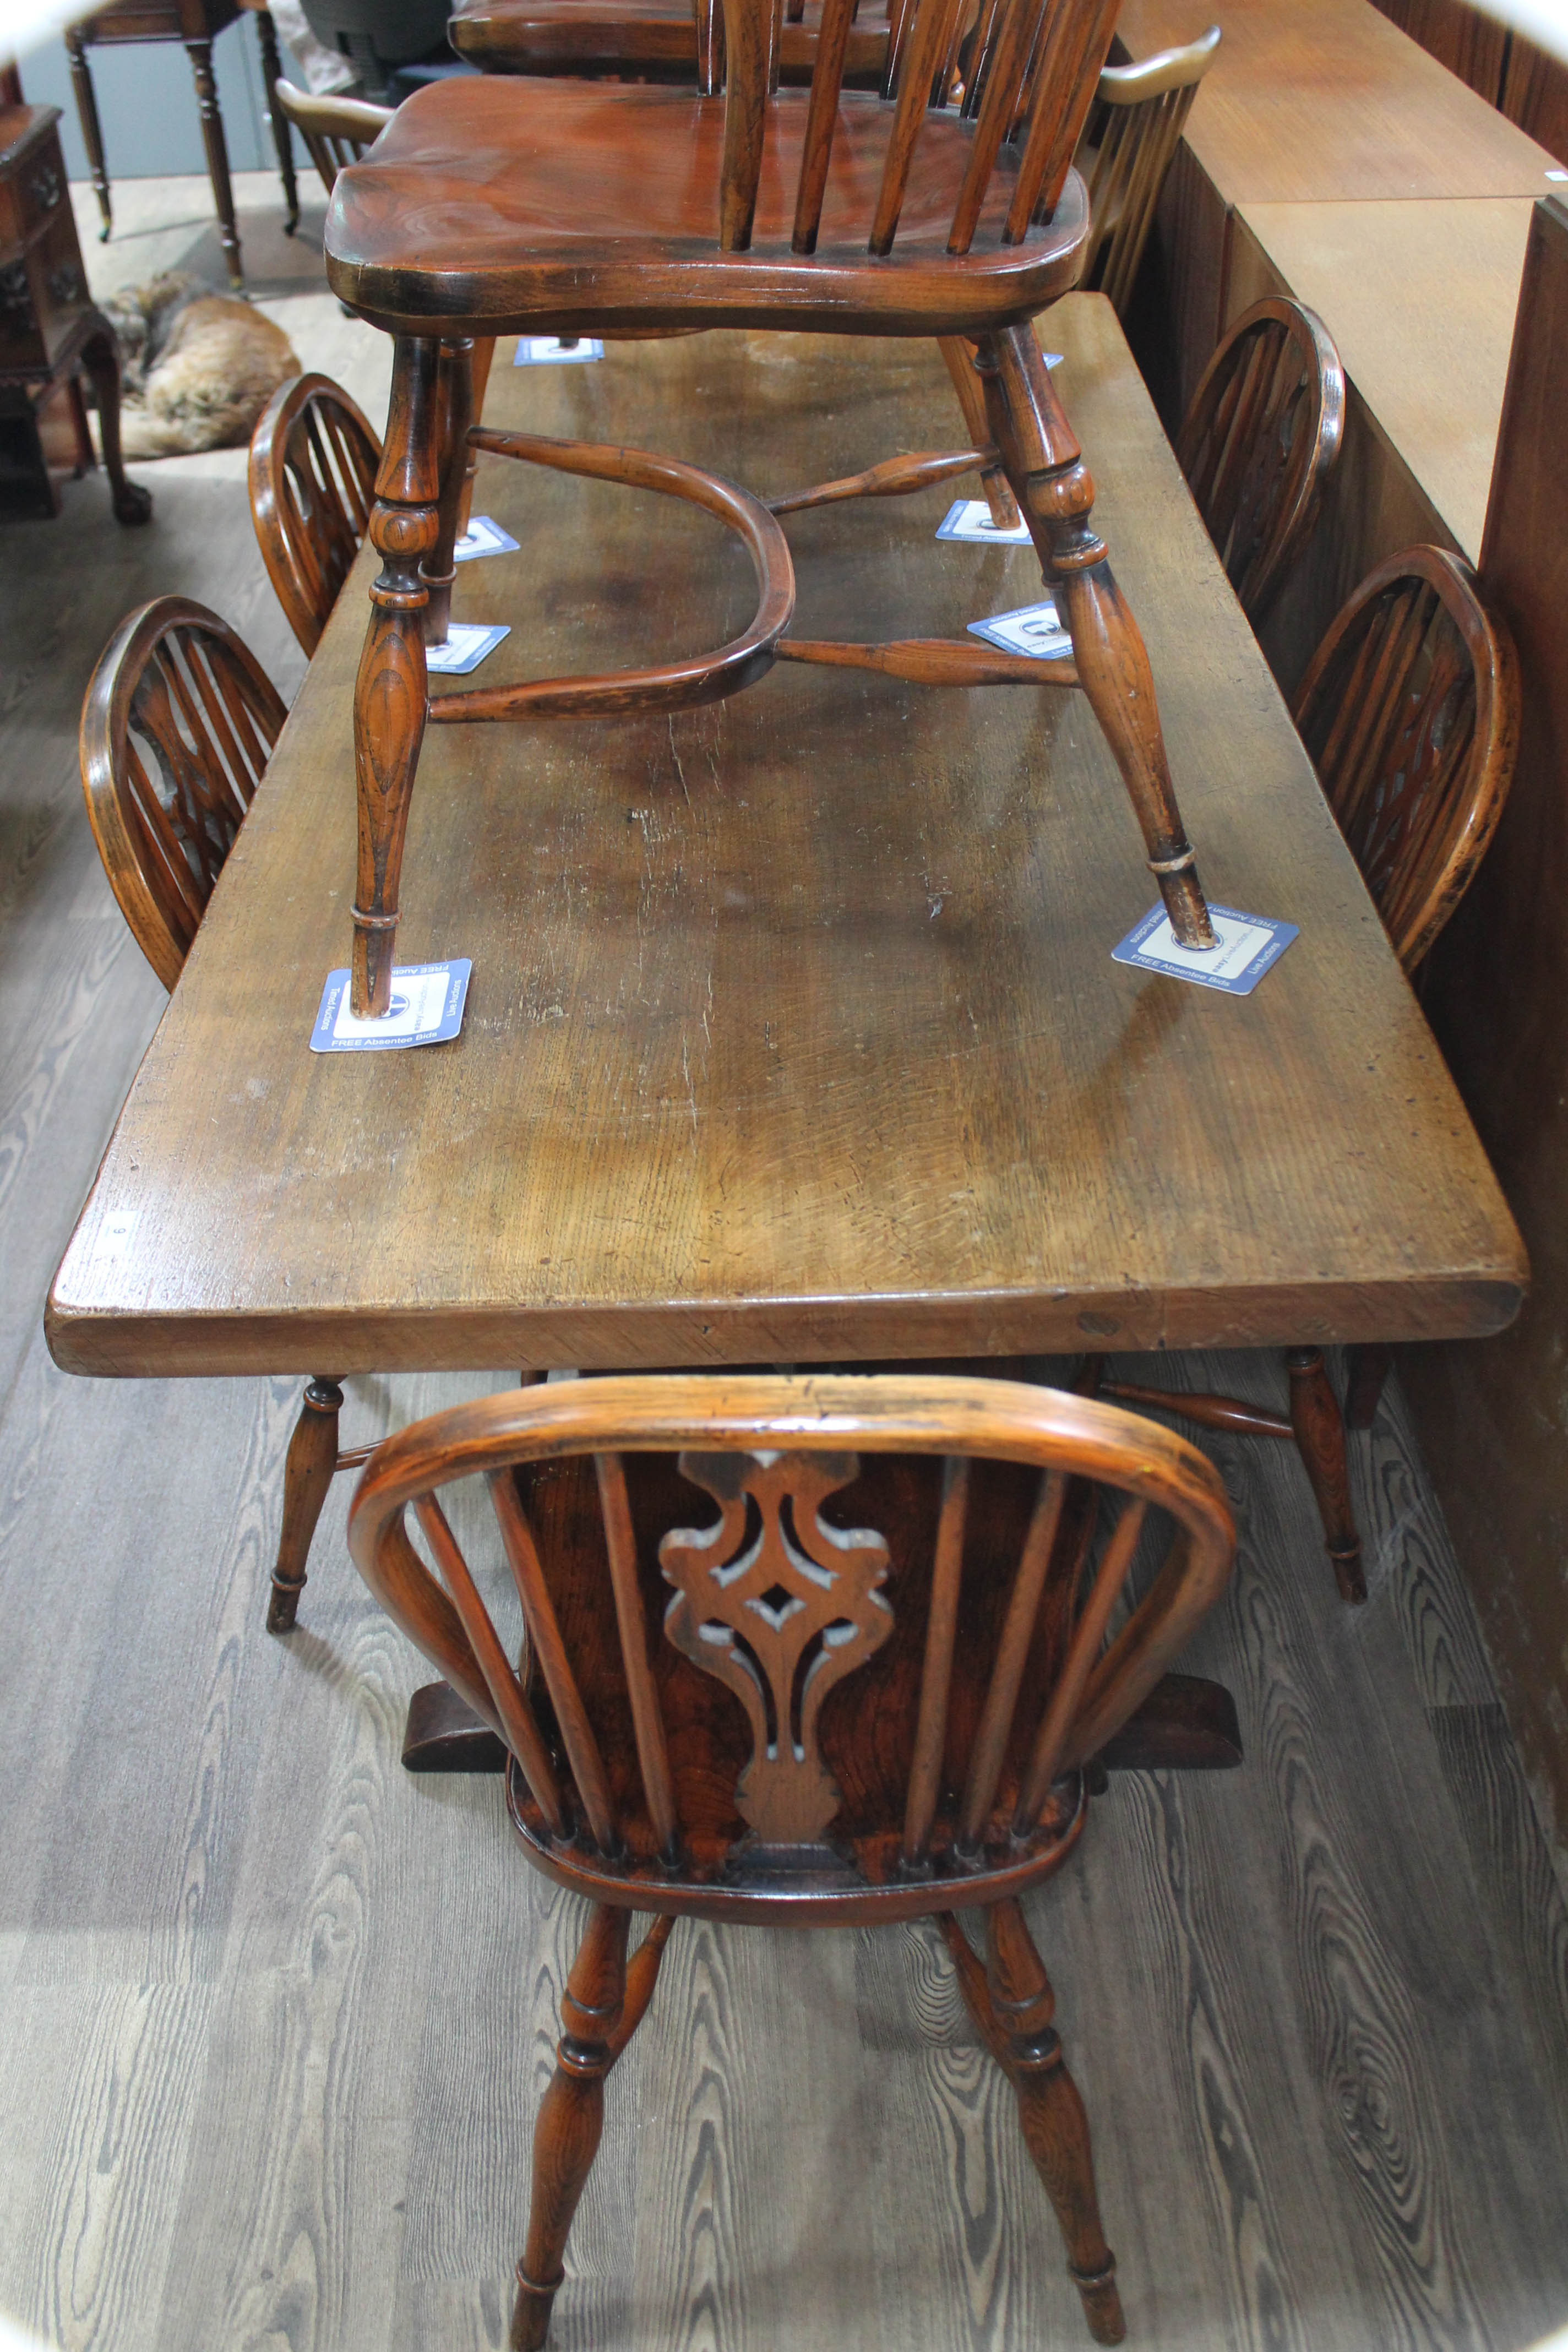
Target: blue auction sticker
[[428, 1001], [484, 536], [467, 642], [1248, 945], [549, 350]]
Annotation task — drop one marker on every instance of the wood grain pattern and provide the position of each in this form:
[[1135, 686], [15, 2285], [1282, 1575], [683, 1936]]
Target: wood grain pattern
[[947, 1143]]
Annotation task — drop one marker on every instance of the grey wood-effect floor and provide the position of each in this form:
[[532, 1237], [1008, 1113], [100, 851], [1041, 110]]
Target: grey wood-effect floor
[[276, 2016]]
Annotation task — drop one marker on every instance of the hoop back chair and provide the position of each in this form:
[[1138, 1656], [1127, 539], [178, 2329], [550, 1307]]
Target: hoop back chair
[[863, 1687], [504, 206], [177, 726], [1140, 113], [1260, 439], [336, 130], [1410, 712], [313, 460]]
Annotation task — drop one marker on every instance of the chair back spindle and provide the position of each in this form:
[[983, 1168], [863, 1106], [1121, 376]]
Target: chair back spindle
[[780, 1702], [1138, 117], [177, 725], [336, 130], [1410, 712]]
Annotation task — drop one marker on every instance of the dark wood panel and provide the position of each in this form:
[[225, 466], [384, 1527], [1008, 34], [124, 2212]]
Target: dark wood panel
[[1494, 1421], [1467, 40], [1535, 95]]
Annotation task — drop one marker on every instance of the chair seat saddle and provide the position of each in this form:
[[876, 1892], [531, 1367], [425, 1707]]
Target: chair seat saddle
[[508, 206]]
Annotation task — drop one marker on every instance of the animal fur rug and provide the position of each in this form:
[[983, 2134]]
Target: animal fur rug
[[198, 367]]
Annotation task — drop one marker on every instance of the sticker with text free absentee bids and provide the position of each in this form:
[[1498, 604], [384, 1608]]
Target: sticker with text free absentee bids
[[427, 1001], [1248, 945], [484, 536], [549, 350]]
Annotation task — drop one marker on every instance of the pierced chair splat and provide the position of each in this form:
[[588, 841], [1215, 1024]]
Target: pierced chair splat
[[313, 460], [506, 207], [177, 726], [1410, 711], [868, 1684]]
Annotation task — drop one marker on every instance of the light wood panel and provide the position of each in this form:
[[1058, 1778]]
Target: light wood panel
[[1323, 101], [793, 1030]]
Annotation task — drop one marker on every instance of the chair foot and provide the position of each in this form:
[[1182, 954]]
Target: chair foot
[[1319, 1431], [307, 1476]]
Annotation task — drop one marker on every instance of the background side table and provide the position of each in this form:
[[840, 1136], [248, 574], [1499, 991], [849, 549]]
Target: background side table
[[196, 23], [50, 335]]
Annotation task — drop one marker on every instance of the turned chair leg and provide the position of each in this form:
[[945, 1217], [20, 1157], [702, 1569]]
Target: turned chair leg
[[601, 2008], [1012, 2003], [1320, 1440], [390, 690], [959, 354], [1368, 1371], [101, 357], [1052, 485], [483, 352], [455, 414], [307, 1475]]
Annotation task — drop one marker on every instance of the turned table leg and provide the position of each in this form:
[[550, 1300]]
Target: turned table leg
[[101, 357], [91, 129], [1319, 1431], [1052, 486], [201, 56], [391, 690], [271, 75]]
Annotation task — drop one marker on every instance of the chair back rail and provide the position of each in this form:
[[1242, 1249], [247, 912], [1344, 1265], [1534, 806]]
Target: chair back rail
[[177, 725], [313, 461], [1138, 117], [976, 1660], [336, 130], [1025, 76], [1262, 436], [1410, 712]]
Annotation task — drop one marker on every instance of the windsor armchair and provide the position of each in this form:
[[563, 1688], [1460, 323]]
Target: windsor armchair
[[510, 206], [865, 1688], [336, 130], [1259, 440], [177, 725], [1410, 711], [1139, 114], [313, 457]]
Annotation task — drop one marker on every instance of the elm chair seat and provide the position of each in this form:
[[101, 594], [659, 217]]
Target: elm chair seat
[[510, 206]]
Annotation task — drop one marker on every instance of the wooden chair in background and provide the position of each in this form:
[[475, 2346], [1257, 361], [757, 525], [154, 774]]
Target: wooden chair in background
[[604, 207], [336, 130], [177, 726], [313, 459], [1258, 441], [1410, 712], [647, 40], [870, 1688], [1140, 112]]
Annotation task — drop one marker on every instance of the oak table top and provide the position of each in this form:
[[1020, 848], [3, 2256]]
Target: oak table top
[[1317, 101], [1420, 300], [794, 1032]]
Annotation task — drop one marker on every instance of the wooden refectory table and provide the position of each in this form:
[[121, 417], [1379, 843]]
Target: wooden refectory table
[[794, 1032]]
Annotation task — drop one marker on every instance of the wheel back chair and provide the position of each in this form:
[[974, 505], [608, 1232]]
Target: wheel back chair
[[313, 457], [869, 1686], [177, 726], [1410, 712], [505, 205], [1139, 114], [1260, 439]]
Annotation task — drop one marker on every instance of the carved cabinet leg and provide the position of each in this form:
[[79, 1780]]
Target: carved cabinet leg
[[599, 2012], [101, 357], [307, 1475], [271, 75], [91, 129], [1321, 1439], [959, 354], [1012, 2003], [391, 690], [201, 56], [454, 414], [1052, 487]]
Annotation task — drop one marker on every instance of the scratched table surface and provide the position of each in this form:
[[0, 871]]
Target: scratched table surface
[[794, 1031]]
